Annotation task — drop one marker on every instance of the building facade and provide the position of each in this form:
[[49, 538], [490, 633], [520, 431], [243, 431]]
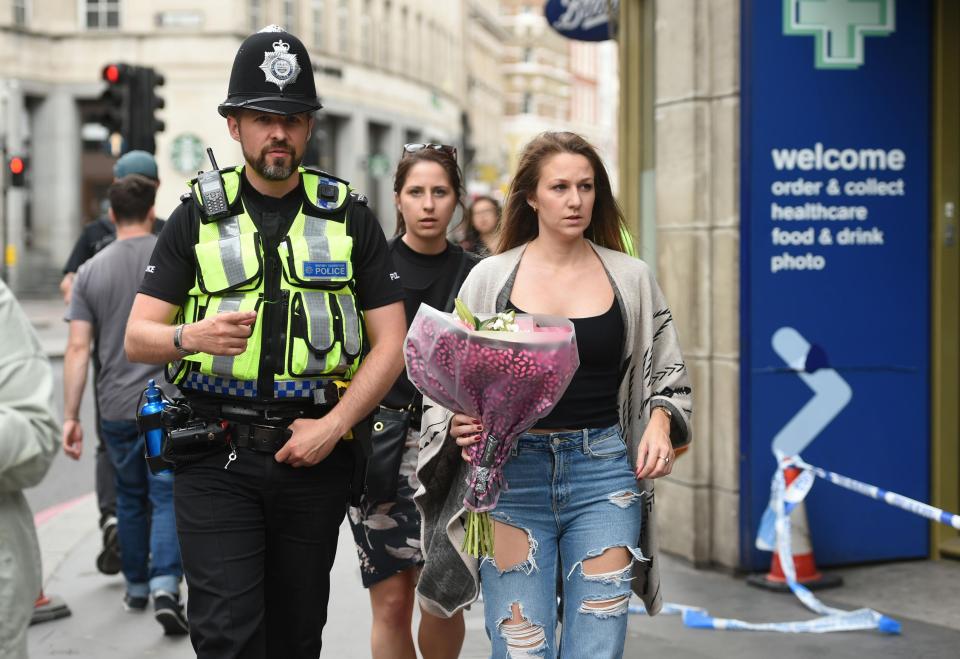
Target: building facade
[[552, 83], [815, 297], [388, 72], [485, 158]]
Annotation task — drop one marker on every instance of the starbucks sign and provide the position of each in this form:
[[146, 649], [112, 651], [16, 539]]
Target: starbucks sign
[[186, 154]]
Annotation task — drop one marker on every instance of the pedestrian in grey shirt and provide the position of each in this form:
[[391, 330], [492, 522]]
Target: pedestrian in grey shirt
[[100, 304]]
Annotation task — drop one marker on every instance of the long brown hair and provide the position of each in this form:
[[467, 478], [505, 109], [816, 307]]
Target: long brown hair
[[520, 223], [470, 234], [407, 162]]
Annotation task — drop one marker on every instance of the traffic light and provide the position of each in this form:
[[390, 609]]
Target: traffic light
[[17, 167], [129, 104], [145, 102], [115, 99]]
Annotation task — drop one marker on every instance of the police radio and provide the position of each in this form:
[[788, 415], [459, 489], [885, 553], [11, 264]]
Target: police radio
[[212, 194]]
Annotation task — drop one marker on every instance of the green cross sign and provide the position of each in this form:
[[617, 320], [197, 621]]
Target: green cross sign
[[839, 27]]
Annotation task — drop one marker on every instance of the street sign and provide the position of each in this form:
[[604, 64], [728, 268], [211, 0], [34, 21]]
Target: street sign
[[835, 272], [583, 20]]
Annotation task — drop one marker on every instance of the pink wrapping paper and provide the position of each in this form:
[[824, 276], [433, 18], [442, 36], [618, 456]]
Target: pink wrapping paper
[[508, 380]]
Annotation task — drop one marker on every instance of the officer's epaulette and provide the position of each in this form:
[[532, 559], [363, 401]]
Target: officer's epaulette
[[359, 197], [323, 174], [185, 197]]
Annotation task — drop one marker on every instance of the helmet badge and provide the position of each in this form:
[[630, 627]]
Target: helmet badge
[[280, 67]]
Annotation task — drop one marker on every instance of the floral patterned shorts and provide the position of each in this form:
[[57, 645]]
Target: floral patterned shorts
[[387, 535]]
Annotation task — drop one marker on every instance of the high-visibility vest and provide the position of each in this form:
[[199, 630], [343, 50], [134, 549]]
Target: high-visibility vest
[[309, 302]]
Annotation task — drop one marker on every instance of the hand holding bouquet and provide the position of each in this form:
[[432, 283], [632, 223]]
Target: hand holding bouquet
[[506, 370]]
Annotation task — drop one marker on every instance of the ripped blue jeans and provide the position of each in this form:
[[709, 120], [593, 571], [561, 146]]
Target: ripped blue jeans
[[574, 495]]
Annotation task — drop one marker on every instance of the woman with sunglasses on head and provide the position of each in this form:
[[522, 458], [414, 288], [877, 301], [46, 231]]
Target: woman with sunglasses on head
[[482, 225], [578, 505], [386, 526]]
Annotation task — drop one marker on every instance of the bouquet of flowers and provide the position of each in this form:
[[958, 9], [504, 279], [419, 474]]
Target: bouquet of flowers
[[504, 369]]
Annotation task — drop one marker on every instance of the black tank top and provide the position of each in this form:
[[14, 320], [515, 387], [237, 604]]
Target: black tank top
[[591, 399]]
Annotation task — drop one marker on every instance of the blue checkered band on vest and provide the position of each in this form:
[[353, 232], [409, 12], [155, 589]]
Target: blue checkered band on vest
[[213, 384]]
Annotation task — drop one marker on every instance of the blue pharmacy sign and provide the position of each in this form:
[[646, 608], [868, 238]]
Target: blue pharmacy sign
[[583, 20], [835, 272]]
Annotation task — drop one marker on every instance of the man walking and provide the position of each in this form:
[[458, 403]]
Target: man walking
[[95, 236], [102, 297], [270, 290]]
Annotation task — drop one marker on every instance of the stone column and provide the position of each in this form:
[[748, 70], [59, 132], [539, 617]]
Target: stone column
[[56, 177], [697, 209]]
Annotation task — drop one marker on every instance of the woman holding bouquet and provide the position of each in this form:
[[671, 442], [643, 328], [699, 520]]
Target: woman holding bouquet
[[579, 501], [386, 526]]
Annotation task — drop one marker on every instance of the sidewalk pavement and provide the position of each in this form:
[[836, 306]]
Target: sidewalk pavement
[[47, 319], [924, 596], [921, 595]]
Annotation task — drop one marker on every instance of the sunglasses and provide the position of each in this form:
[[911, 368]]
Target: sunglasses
[[443, 148]]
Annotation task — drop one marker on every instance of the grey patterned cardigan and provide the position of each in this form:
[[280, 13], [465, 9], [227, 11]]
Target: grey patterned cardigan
[[655, 376]]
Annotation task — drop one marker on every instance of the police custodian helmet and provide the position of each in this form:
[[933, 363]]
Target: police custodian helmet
[[271, 73]]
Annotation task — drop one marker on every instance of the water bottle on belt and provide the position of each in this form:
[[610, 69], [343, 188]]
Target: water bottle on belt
[[151, 426]]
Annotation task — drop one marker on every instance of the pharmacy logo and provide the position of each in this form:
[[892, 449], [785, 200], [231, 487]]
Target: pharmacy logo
[[839, 27]]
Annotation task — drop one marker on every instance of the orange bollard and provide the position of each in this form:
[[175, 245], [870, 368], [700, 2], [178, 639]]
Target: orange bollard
[[803, 561]]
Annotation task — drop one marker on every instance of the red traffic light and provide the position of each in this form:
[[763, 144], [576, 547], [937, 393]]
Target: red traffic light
[[17, 166], [111, 73]]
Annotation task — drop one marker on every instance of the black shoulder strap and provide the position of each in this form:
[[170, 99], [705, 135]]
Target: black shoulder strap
[[458, 278]]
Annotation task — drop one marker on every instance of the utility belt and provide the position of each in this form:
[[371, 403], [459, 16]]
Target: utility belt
[[195, 429]]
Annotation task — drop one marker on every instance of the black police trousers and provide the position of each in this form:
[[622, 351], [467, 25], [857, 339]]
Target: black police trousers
[[258, 541]]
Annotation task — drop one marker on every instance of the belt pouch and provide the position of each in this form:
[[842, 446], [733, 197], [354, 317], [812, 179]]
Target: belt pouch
[[383, 469], [193, 442]]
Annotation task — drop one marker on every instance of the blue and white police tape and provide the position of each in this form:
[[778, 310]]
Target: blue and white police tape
[[794, 493], [874, 492], [696, 617], [667, 609], [775, 534]]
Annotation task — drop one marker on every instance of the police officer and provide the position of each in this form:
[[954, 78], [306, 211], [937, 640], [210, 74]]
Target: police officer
[[269, 290]]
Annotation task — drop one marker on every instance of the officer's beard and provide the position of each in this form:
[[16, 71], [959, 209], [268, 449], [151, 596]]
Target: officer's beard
[[273, 171]]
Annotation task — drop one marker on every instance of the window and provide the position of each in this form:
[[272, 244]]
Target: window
[[290, 15], [343, 28], [319, 22], [527, 106], [386, 36], [404, 40], [418, 47], [431, 47], [367, 34], [321, 151], [256, 15], [528, 54], [102, 14], [20, 13]]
